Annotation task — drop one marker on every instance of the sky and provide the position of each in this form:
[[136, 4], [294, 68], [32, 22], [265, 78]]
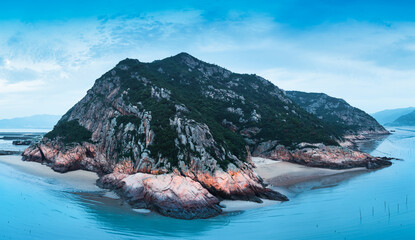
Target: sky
[[51, 52]]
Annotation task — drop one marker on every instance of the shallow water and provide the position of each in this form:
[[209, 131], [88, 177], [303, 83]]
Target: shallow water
[[374, 205], [8, 146], [7, 143]]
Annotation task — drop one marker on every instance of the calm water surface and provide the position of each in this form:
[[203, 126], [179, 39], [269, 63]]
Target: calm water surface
[[374, 205], [7, 134]]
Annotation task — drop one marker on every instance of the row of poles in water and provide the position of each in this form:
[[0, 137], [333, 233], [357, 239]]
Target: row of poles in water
[[388, 208]]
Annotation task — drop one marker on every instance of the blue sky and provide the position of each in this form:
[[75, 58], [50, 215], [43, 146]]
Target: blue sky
[[363, 51]]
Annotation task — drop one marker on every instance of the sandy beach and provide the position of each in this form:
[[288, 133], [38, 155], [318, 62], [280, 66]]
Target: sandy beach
[[281, 174], [79, 180]]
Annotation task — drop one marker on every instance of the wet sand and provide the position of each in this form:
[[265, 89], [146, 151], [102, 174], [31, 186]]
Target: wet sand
[[237, 205], [282, 174], [79, 180]]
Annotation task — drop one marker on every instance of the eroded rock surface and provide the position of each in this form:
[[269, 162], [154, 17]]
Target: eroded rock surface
[[169, 194], [319, 155]]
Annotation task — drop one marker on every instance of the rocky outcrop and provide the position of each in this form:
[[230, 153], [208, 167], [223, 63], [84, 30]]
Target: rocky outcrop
[[235, 184], [169, 194], [62, 158], [319, 155]]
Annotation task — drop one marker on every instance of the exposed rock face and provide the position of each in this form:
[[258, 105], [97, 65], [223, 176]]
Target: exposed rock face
[[178, 116], [235, 184], [169, 194], [319, 155], [63, 158], [338, 114]]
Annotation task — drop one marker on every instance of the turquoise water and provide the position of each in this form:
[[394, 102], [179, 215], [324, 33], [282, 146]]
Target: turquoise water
[[375, 205]]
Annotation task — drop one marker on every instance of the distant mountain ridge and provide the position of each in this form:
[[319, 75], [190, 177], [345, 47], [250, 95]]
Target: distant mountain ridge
[[43, 121], [405, 120], [337, 114], [390, 115]]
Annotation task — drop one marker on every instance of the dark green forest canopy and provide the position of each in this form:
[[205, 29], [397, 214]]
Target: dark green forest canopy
[[70, 132]]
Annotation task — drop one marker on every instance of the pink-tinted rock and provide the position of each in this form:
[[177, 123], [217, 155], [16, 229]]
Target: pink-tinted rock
[[319, 155], [235, 184], [63, 158], [169, 194]]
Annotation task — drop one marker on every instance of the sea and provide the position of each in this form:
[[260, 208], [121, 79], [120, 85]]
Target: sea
[[375, 205]]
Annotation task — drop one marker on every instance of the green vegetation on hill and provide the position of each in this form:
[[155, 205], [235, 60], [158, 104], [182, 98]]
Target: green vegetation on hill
[[336, 114], [283, 121], [69, 132], [240, 110]]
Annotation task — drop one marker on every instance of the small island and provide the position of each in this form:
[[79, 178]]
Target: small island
[[179, 135]]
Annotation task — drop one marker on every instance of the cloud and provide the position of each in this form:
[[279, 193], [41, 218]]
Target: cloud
[[368, 64], [7, 87]]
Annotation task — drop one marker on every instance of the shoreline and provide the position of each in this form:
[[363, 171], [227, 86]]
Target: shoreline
[[79, 180], [285, 174], [275, 173]]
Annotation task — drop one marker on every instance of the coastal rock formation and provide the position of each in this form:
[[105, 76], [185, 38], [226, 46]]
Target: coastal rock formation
[[179, 116], [319, 155], [169, 194], [63, 158]]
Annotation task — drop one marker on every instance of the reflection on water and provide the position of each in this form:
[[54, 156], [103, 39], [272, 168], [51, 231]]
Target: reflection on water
[[111, 214], [369, 146], [325, 182], [353, 205]]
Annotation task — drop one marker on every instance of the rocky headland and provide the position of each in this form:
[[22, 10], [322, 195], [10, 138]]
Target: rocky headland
[[177, 135]]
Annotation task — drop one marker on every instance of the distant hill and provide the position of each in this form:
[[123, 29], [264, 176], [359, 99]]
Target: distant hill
[[388, 116], [337, 114], [405, 120], [33, 122]]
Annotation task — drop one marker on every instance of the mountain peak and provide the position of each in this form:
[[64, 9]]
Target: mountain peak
[[185, 58], [183, 55]]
